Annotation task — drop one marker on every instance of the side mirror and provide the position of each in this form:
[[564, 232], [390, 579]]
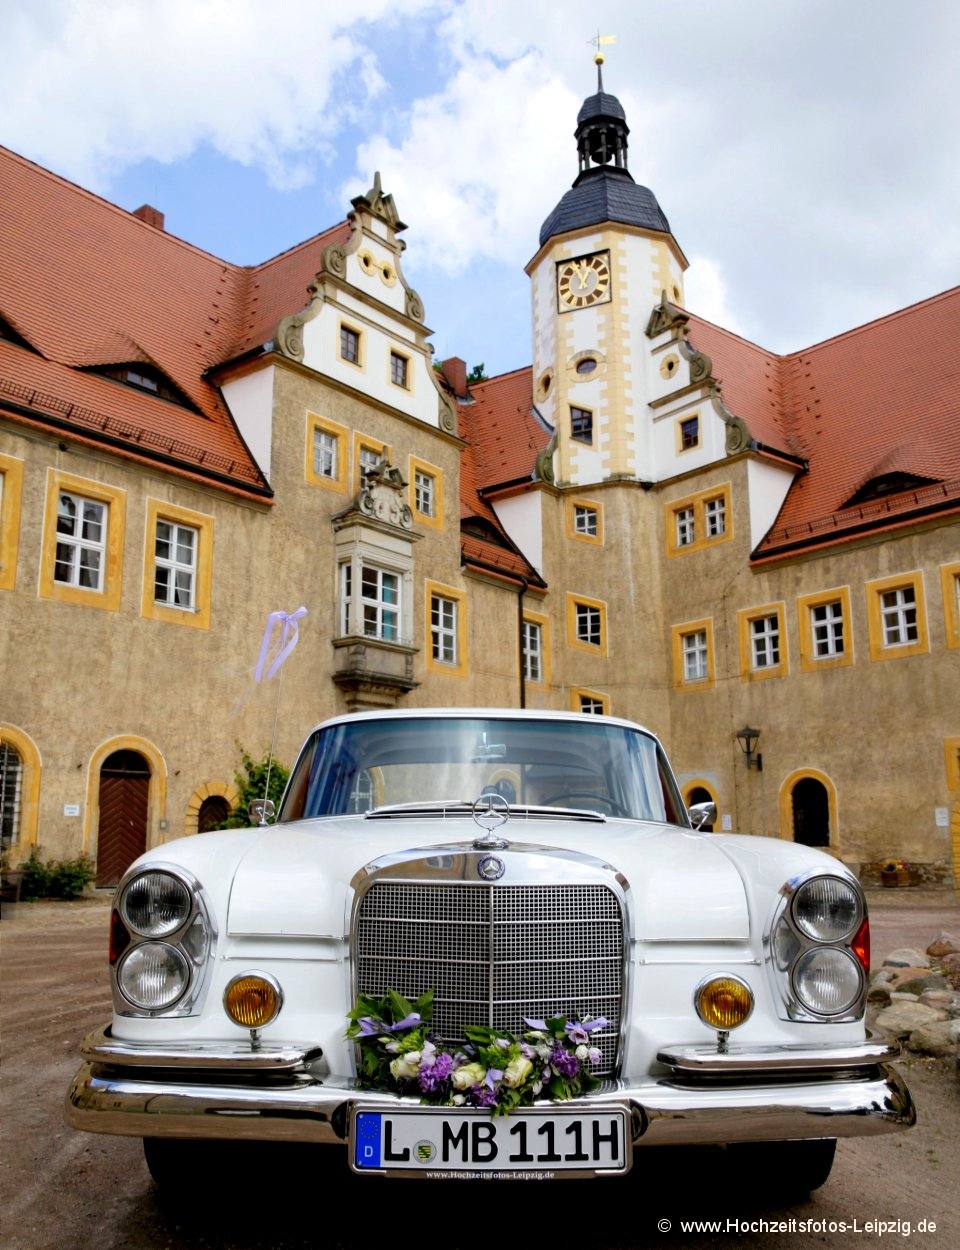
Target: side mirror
[[702, 814], [261, 811]]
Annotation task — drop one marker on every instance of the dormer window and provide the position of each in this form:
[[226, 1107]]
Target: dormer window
[[887, 484], [145, 378]]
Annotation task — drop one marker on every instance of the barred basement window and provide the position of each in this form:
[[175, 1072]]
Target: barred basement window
[[765, 641], [443, 629], [898, 615], [826, 623], [175, 571], [694, 647], [581, 425], [81, 541]]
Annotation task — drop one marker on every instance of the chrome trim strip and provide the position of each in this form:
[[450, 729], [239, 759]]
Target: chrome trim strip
[[664, 1113], [103, 1050], [759, 1060]]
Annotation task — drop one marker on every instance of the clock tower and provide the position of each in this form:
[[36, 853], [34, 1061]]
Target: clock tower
[[606, 257]]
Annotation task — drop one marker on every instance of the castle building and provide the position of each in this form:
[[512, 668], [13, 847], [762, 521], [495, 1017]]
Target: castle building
[[757, 556]]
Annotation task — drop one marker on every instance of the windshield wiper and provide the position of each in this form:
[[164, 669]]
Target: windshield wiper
[[462, 807]]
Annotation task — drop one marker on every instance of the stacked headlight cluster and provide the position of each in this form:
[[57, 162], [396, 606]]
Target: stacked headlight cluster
[[159, 943], [821, 948]]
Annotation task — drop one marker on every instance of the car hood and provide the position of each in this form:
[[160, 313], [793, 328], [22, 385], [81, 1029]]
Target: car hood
[[296, 879]]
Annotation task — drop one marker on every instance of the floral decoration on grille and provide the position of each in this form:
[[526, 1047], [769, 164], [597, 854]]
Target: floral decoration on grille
[[551, 1059]]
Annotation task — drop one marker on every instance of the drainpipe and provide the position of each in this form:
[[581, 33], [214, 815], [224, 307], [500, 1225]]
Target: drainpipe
[[524, 584]]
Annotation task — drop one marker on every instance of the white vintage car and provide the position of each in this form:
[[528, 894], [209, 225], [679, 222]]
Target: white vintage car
[[522, 865]]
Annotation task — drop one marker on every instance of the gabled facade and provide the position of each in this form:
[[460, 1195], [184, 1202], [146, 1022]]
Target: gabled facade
[[657, 519]]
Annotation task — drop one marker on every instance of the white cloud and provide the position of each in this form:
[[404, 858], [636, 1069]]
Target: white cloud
[[90, 86], [705, 293]]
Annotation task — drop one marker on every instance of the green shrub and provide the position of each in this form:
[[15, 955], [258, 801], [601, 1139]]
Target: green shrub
[[57, 878], [250, 783]]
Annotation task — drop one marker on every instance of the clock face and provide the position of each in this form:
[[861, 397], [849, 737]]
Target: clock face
[[583, 281]]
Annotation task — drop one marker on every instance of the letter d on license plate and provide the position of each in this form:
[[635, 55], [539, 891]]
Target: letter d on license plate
[[468, 1143]]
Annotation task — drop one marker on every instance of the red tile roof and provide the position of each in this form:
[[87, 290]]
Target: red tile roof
[[88, 284]]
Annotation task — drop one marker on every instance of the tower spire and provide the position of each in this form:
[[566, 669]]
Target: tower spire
[[599, 41]]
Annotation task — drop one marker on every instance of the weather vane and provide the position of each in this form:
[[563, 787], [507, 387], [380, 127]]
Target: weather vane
[[600, 41]]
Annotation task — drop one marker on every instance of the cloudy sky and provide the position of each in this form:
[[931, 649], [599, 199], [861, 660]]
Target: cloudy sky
[[805, 151]]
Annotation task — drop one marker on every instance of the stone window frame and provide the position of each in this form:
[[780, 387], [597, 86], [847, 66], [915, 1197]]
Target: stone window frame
[[677, 635], [415, 464], [572, 504], [394, 353], [349, 327], [575, 600], [11, 495], [358, 545], [745, 620], [698, 502], [580, 695], [682, 445], [316, 423], [950, 588], [115, 497], [810, 662], [197, 617], [439, 590], [874, 590]]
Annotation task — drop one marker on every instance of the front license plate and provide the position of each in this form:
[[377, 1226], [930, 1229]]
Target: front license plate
[[474, 1144]]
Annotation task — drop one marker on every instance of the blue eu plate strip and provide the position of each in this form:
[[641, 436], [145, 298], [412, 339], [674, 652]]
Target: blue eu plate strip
[[367, 1140]]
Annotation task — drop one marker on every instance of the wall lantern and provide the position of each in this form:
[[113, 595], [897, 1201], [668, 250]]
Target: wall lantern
[[748, 739]]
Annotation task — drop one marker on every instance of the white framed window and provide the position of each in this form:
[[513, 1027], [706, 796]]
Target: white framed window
[[694, 650], [443, 629], [81, 541], [175, 568], [369, 459], [379, 603], [399, 366], [686, 528], [346, 597], [424, 493], [326, 454], [898, 616], [715, 511], [591, 705], [826, 626], [765, 641], [532, 651], [585, 520], [588, 624]]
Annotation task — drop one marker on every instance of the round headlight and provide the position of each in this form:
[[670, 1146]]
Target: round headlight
[[252, 1000], [153, 976], [723, 1002], [155, 904], [827, 981], [827, 909]]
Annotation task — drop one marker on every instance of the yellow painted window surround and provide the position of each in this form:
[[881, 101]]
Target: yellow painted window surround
[[704, 518], [575, 519], [825, 626], [762, 632], [114, 499], [951, 752], [362, 443], [432, 519], [318, 454], [199, 616], [587, 701], [31, 767], [950, 585], [592, 618], [687, 429], [11, 490], [688, 632], [437, 595], [896, 608], [546, 663], [351, 337], [400, 365]]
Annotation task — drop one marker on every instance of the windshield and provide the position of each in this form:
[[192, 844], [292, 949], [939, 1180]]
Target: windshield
[[355, 766]]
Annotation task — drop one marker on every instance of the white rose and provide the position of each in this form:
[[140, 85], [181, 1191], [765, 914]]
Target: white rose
[[516, 1073], [406, 1066], [459, 1100], [582, 1052], [469, 1075]]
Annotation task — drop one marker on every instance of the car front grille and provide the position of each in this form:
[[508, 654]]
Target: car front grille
[[496, 953]]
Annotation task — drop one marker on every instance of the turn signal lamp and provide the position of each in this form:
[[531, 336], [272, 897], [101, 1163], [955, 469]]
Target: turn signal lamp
[[252, 1000], [861, 946], [723, 1002]]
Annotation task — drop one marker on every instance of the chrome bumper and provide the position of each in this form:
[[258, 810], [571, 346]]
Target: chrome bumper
[[144, 1097]]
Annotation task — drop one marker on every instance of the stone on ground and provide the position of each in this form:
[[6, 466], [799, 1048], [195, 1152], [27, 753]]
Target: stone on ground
[[901, 1019], [944, 944], [940, 1038], [905, 957]]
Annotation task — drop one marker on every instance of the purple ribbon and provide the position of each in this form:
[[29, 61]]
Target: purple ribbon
[[370, 1026], [289, 623], [579, 1031]]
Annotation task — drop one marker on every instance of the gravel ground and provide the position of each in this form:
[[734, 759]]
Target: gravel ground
[[63, 1190]]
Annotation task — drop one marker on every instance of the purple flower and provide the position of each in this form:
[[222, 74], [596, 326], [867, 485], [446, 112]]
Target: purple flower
[[483, 1096], [432, 1078], [564, 1064], [595, 1056], [494, 1075], [527, 1051]]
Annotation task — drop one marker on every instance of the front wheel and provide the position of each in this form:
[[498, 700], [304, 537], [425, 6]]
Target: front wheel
[[785, 1169]]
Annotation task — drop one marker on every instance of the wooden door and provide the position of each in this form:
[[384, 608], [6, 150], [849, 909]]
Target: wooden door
[[124, 803]]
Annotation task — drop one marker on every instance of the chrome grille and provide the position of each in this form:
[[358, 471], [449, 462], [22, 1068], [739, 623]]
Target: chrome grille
[[496, 953]]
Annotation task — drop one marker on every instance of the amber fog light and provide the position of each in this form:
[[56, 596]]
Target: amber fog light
[[252, 1000], [723, 1002]]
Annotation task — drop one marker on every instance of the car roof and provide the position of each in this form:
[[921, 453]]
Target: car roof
[[499, 713]]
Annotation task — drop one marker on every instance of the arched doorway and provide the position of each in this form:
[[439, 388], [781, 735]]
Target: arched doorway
[[811, 812], [124, 805], [11, 782], [214, 810], [699, 794]]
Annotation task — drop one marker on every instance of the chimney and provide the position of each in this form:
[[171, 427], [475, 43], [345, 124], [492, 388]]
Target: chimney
[[152, 216], [455, 371]]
